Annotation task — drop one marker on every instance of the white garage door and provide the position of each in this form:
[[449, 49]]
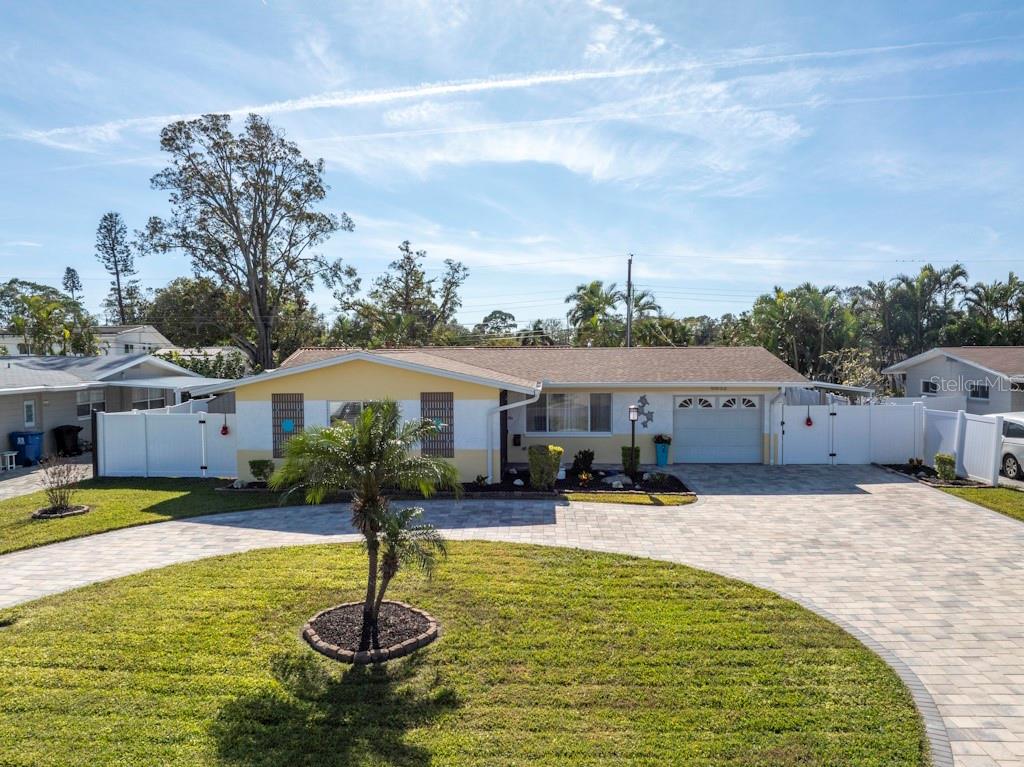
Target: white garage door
[[714, 428]]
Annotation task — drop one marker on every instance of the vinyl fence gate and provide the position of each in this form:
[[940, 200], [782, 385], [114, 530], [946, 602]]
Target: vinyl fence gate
[[164, 444]]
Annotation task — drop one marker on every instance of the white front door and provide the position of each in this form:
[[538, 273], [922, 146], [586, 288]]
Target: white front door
[[717, 428]]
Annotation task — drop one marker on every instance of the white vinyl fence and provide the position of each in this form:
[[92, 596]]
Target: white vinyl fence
[[154, 443], [889, 433]]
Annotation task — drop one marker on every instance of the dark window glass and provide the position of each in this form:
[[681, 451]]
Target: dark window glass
[[601, 412]]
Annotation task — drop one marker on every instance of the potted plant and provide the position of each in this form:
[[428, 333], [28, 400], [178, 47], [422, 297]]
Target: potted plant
[[661, 443]]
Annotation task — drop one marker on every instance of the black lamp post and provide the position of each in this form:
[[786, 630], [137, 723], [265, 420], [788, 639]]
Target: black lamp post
[[634, 416]]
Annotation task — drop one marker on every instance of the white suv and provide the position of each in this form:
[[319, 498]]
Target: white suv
[[1013, 445]]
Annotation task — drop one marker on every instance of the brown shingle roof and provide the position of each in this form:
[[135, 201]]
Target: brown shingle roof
[[563, 365], [1008, 360]]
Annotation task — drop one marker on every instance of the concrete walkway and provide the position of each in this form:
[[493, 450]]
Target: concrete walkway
[[932, 583], [28, 479]]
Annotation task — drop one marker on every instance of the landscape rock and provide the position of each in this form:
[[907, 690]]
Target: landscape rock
[[621, 480], [518, 482]]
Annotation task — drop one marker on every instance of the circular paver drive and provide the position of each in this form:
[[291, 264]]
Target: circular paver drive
[[933, 583]]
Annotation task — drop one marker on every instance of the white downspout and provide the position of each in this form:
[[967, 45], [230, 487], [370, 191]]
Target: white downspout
[[490, 428]]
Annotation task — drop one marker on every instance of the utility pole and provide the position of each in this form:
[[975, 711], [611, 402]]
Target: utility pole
[[629, 302]]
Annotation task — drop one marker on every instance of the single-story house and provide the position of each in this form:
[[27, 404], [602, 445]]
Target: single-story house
[[40, 393], [991, 377], [494, 402]]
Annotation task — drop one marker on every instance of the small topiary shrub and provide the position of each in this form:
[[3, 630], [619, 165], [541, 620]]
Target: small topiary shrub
[[584, 477], [583, 461], [261, 469], [544, 463], [945, 466], [630, 460], [660, 481]]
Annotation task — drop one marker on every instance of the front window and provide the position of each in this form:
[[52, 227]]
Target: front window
[[147, 399], [91, 401], [929, 387], [977, 391], [345, 411], [30, 412], [129, 348], [570, 412]]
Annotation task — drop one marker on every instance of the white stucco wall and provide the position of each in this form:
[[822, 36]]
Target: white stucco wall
[[255, 428]]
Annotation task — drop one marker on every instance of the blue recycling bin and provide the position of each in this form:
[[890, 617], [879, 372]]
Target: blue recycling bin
[[661, 453], [28, 444]]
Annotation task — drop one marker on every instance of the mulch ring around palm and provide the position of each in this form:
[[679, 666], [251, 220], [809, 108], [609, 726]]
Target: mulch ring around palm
[[51, 513], [401, 629]]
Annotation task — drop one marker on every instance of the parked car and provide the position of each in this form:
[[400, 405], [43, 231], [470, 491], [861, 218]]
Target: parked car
[[1013, 445]]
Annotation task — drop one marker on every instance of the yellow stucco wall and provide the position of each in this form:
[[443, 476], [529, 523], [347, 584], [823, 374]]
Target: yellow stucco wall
[[364, 380], [470, 463]]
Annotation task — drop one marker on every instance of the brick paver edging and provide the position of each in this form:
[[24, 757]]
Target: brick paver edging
[[372, 656]]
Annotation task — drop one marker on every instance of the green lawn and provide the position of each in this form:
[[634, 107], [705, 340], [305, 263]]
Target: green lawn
[[638, 499], [1001, 499], [549, 657], [119, 503]]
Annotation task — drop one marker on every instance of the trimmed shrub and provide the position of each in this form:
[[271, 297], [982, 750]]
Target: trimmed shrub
[[945, 466], [583, 461], [261, 469], [544, 463], [630, 460]]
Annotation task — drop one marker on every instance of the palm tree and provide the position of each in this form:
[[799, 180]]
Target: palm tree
[[644, 304], [370, 457], [592, 302]]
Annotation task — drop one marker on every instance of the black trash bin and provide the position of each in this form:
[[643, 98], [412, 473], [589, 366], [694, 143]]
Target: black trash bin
[[66, 440]]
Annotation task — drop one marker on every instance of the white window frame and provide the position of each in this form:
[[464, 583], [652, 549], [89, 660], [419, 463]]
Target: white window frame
[[29, 404], [333, 405], [150, 400], [129, 348], [973, 386], [90, 397], [926, 392], [570, 433]]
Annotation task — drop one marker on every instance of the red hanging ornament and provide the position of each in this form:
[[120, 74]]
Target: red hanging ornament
[[224, 430], [809, 421]]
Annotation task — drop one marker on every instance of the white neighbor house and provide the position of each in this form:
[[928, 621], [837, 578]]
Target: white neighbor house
[[991, 377]]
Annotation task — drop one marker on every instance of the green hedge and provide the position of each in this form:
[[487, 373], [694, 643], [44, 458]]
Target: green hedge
[[630, 460], [945, 466], [544, 463]]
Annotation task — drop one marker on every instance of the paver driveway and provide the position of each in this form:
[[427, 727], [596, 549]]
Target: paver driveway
[[933, 583]]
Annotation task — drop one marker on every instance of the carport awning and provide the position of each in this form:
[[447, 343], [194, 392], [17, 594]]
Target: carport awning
[[176, 383]]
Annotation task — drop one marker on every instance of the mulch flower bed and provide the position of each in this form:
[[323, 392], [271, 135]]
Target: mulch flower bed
[[72, 511], [336, 632], [656, 483], [929, 476]]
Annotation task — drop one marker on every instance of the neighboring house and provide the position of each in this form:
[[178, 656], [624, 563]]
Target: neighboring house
[[40, 393], [130, 339], [713, 400], [991, 377], [13, 344]]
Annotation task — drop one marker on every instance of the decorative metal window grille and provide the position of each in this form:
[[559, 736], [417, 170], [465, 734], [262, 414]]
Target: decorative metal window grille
[[439, 407], [288, 418]]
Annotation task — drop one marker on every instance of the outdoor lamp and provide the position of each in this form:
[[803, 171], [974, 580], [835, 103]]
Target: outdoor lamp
[[634, 416]]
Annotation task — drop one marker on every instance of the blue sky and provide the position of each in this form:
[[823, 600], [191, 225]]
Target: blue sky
[[730, 146]]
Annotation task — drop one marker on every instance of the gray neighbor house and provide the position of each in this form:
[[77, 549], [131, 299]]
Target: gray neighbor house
[[41, 393], [990, 377]]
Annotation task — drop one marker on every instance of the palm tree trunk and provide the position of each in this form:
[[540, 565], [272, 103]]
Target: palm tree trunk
[[384, 581], [369, 616]]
